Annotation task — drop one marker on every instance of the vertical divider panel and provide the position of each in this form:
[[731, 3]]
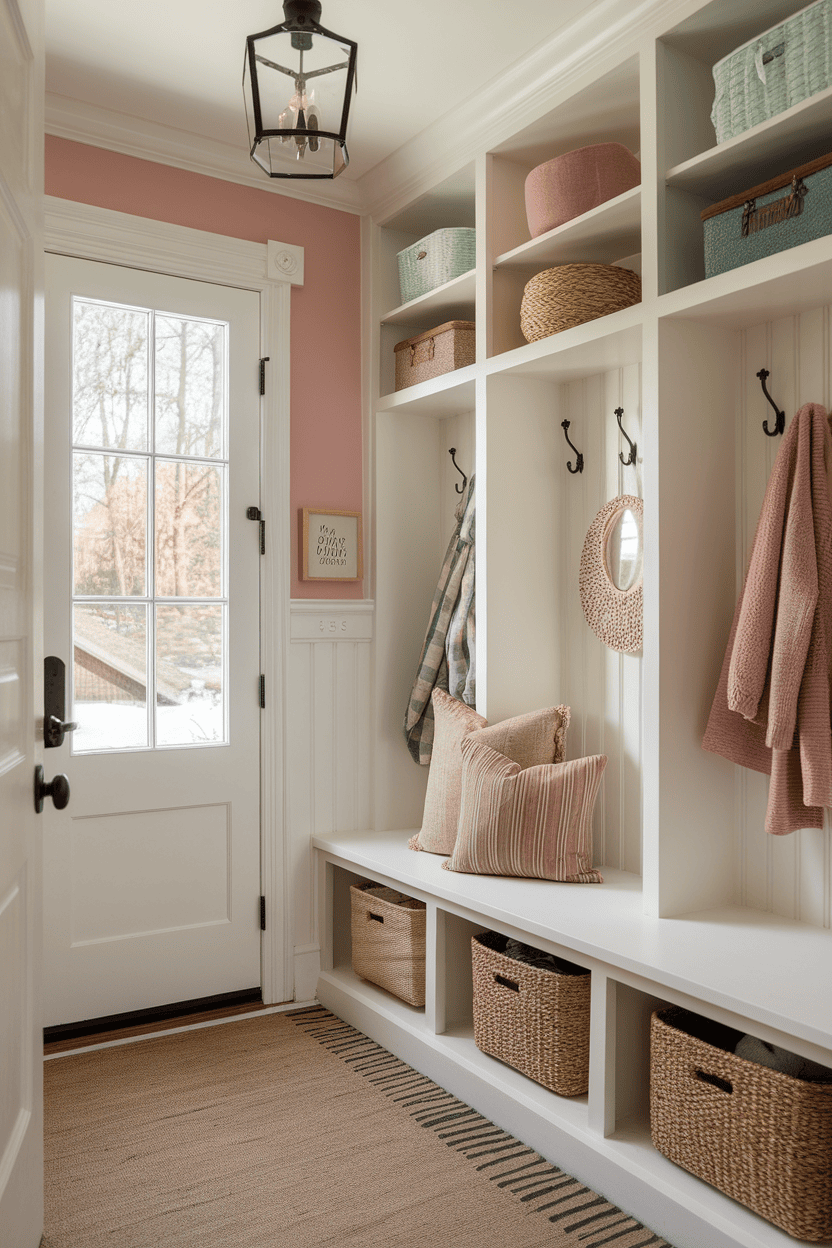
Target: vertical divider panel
[[435, 985], [602, 1054]]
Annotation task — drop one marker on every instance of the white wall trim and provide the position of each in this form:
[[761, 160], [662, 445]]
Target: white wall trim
[[119, 238], [72, 119]]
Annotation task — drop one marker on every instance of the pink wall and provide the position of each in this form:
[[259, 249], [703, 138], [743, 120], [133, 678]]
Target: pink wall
[[326, 458]]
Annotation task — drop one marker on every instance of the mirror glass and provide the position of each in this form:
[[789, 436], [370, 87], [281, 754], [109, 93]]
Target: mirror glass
[[624, 550]]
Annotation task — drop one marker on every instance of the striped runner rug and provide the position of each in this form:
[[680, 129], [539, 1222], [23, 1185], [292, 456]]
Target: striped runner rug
[[293, 1130]]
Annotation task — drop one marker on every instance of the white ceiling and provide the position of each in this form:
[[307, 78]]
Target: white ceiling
[[179, 62]]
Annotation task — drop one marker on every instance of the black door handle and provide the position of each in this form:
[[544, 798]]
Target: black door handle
[[54, 702], [57, 789]]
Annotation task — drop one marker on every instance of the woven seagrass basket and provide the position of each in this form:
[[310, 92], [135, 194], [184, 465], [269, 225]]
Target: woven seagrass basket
[[571, 294], [388, 940], [757, 1134], [532, 1019]]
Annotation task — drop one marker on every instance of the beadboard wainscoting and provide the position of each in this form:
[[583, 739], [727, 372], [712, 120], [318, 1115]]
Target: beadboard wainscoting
[[788, 875], [602, 686], [328, 765]]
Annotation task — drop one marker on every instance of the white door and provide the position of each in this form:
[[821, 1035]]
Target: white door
[[21, 1047], [152, 872]]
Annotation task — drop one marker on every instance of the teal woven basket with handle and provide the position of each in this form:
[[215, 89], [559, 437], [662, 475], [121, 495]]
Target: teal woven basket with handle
[[774, 71], [785, 212], [442, 256]]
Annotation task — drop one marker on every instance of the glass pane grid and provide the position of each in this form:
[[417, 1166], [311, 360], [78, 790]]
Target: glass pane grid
[[150, 547]]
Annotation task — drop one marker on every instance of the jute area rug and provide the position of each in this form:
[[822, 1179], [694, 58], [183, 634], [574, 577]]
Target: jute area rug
[[293, 1130]]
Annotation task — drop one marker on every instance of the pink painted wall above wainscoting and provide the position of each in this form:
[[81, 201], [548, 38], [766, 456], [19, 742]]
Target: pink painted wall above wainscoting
[[326, 455]]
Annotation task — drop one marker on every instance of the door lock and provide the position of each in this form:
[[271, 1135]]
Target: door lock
[[57, 789], [54, 702]]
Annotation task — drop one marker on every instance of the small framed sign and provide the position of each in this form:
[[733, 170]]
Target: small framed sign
[[331, 545]]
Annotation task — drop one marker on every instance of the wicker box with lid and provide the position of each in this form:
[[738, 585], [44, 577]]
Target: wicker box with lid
[[388, 940], [757, 1134], [791, 209], [436, 351]]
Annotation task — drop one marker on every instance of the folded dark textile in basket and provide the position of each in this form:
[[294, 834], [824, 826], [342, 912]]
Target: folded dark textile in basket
[[543, 961], [764, 1054]]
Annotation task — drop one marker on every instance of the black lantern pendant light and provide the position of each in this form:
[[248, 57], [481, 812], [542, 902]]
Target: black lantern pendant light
[[298, 80]]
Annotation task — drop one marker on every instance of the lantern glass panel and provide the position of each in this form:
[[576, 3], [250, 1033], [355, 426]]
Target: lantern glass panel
[[309, 97]]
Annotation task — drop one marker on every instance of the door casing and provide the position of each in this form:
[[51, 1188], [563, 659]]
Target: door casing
[[100, 234]]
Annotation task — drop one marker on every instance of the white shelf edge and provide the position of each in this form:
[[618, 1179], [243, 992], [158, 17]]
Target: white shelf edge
[[794, 280], [610, 219], [552, 354], [459, 290], [764, 142], [434, 397]]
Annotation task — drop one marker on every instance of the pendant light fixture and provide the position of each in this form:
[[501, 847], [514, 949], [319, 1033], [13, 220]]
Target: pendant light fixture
[[298, 80]]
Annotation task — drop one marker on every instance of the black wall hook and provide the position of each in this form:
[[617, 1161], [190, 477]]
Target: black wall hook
[[780, 424], [460, 489], [579, 465], [631, 458]]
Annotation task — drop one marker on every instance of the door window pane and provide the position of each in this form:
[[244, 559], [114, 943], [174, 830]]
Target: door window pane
[[110, 524], [110, 676], [189, 674], [110, 375], [189, 512], [190, 387]]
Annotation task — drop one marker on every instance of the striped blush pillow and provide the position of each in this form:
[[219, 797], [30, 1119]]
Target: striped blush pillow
[[533, 821]]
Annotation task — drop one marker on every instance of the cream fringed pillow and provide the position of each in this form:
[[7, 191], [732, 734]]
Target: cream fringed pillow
[[533, 822], [538, 737], [453, 721]]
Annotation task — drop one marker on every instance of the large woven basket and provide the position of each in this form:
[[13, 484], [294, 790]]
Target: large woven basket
[[774, 71], [571, 294], [532, 1019], [757, 1134], [436, 259], [388, 940]]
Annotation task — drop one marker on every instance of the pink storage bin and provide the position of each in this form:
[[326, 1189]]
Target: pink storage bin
[[572, 184]]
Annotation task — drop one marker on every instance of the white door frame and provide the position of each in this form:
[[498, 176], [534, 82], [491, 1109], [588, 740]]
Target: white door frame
[[118, 238]]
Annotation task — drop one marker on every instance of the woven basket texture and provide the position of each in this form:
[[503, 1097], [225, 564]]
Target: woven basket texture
[[773, 72], [571, 294], [541, 1027], [727, 248], [435, 352], [436, 259], [388, 940], [576, 182], [757, 1134]]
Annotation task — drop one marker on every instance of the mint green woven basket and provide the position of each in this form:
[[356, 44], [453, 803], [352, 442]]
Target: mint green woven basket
[[773, 72], [436, 259]]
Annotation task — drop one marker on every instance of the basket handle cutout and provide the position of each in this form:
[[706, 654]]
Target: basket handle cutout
[[507, 983], [704, 1077], [379, 918]]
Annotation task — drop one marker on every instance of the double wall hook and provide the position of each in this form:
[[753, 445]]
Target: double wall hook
[[631, 458], [579, 465], [780, 423], [460, 489]]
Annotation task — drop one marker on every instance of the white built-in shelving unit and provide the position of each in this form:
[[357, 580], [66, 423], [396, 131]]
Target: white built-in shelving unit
[[699, 907]]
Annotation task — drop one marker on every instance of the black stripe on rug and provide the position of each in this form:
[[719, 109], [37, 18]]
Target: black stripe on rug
[[587, 1219]]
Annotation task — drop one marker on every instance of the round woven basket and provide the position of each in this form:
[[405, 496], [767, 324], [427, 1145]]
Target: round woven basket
[[571, 294]]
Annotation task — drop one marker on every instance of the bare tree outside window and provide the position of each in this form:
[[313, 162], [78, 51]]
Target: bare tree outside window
[[150, 469]]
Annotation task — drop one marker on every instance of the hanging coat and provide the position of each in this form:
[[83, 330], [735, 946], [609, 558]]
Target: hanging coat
[[448, 653], [772, 706]]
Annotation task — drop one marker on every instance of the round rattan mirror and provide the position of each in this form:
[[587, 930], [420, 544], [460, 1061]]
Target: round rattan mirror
[[611, 574]]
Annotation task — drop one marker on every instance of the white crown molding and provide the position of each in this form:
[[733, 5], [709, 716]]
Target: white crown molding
[[604, 35], [133, 136]]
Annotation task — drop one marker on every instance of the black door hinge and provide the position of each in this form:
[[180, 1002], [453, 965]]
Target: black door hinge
[[262, 914], [253, 513], [262, 693], [263, 363]]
